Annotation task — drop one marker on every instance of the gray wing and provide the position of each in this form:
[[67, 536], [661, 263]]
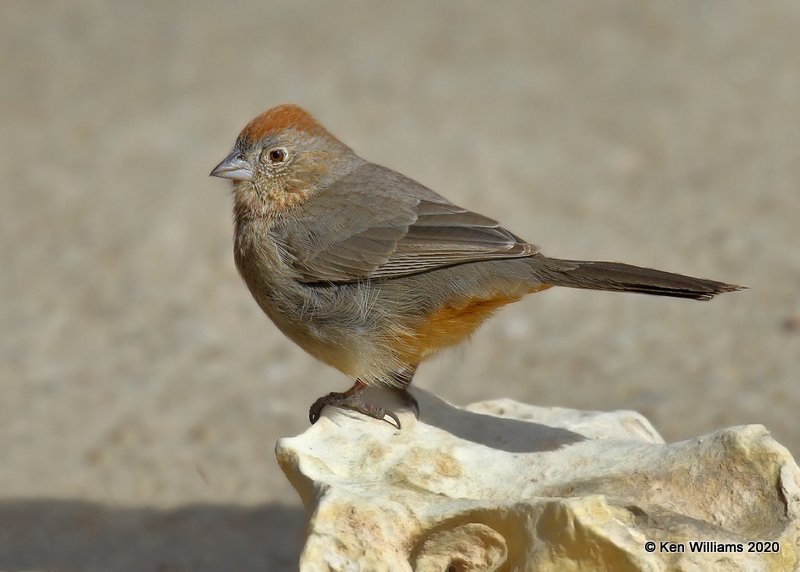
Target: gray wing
[[376, 223]]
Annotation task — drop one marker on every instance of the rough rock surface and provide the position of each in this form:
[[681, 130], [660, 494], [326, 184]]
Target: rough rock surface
[[505, 486]]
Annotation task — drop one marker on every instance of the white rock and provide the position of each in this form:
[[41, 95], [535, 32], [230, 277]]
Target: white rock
[[505, 486]]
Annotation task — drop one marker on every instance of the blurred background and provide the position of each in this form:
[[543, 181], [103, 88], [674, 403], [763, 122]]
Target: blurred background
[[142, 388]]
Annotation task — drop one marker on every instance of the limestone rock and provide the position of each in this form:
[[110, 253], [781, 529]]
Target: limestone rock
[[505, 486]]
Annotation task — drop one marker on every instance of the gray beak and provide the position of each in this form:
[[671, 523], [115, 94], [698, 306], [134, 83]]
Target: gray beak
[[234, 167]]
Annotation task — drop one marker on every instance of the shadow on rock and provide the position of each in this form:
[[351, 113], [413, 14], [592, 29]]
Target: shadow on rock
[[511, 435], [76, 536]]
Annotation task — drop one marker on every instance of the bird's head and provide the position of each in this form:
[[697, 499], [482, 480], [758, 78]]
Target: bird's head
[[280, 159]]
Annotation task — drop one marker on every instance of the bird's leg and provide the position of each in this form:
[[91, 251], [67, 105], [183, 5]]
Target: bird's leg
[[401, 380], [351, 399]]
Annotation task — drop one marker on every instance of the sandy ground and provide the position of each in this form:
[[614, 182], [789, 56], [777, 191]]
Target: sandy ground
[[142, 389]]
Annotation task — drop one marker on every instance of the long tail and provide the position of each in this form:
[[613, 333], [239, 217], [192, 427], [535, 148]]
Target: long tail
[[617, 277]]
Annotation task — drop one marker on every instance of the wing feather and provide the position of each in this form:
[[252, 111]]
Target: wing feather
[[375, 223]]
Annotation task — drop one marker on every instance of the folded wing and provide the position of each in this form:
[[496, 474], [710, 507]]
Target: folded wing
[[375, 223]]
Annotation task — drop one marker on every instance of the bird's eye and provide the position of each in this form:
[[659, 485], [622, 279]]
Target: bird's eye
[[277, 155]]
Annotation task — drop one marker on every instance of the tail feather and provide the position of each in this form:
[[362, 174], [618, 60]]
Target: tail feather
[[618, 277]]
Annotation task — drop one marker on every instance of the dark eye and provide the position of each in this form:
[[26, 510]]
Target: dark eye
[[277, 155]]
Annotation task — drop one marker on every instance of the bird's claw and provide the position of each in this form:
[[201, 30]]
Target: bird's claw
[[353, 402], [409, 401]]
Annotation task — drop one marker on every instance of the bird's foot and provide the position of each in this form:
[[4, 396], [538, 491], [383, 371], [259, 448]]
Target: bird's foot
[[409, 400], [352, 401]]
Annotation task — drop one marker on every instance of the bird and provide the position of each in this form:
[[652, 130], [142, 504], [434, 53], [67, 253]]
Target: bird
[[372, 272]]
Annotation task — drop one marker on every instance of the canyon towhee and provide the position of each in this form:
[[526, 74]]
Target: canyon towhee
[[371, 272]]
